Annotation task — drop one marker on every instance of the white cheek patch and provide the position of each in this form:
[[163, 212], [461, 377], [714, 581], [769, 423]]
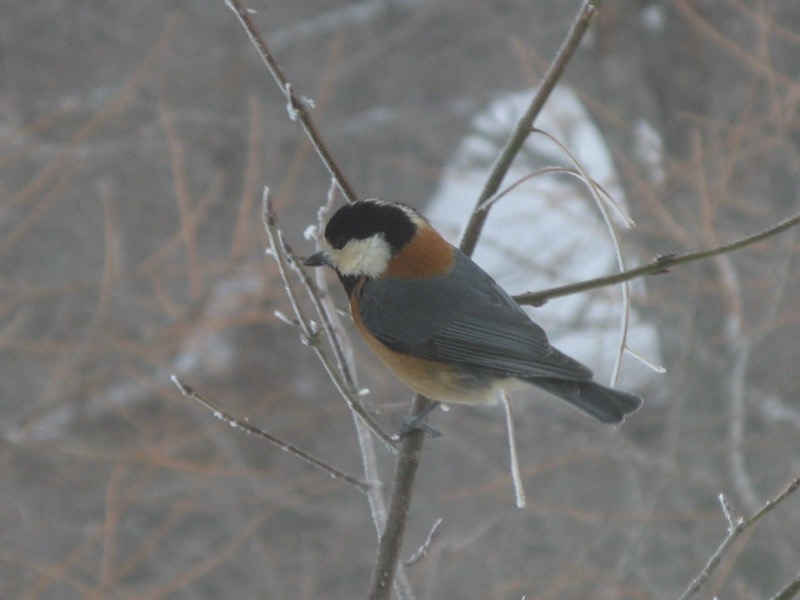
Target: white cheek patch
[[368, 257]]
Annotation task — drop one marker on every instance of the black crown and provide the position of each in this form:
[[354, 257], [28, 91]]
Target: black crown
[[366, 218]]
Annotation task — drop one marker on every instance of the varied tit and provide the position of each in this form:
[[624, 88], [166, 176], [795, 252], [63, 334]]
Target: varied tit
[[440, 323]]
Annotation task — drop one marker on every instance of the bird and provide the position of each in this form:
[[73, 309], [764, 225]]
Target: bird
[[440, 323]]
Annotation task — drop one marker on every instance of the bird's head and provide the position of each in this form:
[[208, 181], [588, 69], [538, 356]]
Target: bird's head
[[362, 237]]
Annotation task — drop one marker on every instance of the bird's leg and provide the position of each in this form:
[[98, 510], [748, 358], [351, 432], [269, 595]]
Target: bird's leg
[[417, 421]]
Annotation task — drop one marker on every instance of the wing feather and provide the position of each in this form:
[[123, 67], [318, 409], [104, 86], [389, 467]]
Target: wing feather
[[463, 318]]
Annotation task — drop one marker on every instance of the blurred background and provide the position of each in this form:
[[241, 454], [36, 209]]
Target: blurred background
[[135, 139]]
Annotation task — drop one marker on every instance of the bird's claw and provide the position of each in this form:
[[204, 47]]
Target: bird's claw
[[418, 422]]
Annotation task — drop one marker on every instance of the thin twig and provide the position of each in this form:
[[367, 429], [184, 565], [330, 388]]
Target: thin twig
[[310, 334], [297, 105], [727, 510], [426, 546], [555, 69], [325, 311], [560, 170], [790, 591], [660, 264], [516, 475], [616, 243], [220, 414], [736, 526]]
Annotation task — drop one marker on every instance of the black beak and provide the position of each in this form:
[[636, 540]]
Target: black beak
[[320, 259]]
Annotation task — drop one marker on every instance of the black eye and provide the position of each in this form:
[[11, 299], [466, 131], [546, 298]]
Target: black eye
[[338, 242]]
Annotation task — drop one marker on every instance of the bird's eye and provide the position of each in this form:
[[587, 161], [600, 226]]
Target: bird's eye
[[338, 242]]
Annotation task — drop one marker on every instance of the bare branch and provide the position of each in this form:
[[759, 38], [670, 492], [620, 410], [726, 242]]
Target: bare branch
[[727, 510], [555, 69], [771, 504], [790, 591], [596, 193], [297, 105], [392, 537], [309, 332], [736, 526], [516, 475], [220, 414], [426, 546], [661, 264]]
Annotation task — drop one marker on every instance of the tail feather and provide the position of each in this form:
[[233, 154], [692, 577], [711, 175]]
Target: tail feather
[[603, 403]]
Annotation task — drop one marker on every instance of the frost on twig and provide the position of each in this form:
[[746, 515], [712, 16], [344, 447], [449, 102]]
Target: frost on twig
[[309, 331], [426, 546]]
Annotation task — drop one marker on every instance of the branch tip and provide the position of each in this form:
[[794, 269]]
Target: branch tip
[[269, 216], [184, 387]]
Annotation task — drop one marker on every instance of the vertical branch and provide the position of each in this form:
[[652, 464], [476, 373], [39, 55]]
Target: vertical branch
[[555, 69], [392, 538], [516, 475]]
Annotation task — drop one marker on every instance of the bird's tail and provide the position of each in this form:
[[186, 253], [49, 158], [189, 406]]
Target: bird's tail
[[603, 403]]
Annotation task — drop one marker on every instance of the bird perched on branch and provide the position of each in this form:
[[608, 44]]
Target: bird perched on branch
[[440, 323]]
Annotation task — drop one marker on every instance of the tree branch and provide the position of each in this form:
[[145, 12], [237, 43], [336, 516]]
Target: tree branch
[[522, 130], [790, 591], [283, 255], [297, 105], [736, 526], [392, 538], [193, 394], [660, 264]]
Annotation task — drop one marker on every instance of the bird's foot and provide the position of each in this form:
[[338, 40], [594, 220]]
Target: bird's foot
[[418, 422]]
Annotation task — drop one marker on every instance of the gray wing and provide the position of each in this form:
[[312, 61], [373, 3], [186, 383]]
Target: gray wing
[[463, 318]]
